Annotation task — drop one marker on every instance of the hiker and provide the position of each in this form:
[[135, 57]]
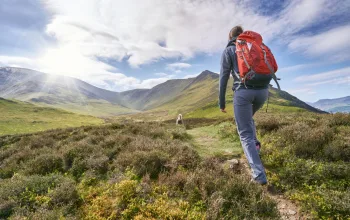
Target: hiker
[[250, 89], [179, 119]]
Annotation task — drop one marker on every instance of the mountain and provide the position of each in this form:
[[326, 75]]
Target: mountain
[[173, 96], [334, 105], [59, 91], [145, 99]]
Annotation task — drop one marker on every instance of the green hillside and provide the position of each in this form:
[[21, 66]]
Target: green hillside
[[21, 117], [144, 99], [94, 107], [122, 171], [202, 90]]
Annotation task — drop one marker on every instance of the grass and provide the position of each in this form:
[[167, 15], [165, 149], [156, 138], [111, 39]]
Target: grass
[[220, 139], [20, 117], [121, 171], [129, 170], [98, 108], [196, 95]]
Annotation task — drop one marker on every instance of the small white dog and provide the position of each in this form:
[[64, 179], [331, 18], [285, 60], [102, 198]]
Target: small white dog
[[179, 119]]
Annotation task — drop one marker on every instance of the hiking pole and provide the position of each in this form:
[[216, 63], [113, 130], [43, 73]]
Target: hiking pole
[[267, 104]]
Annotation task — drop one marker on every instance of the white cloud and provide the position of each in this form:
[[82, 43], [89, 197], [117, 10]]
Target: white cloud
[[307, 91], [191, 76], [11, 61], [337, 81], [332, 46], [149, 83], [298, 67], [144, 32], [342, 73], [99, 73], [161, 74], [178, 67]]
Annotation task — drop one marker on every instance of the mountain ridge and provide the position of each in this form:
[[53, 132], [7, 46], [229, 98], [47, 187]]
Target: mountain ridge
[[174, 95], [341, 104]]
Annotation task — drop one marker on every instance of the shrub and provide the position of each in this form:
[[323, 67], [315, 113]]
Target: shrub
[[268, 124], [6, 208], [78, 168], [40, 142], [98, 164], [305, 141], [29, 192], [65, 194], [338, 149], [339, 119], [228, 130], [79, 150], [180, 134], [151, 162], [44, 164]]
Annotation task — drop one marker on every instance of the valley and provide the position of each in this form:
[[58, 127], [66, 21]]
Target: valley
[[121, 156]]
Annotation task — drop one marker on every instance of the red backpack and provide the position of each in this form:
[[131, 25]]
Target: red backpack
[[256, 63]]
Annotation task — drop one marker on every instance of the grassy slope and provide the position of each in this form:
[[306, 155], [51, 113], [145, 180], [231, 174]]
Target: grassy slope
[[158, 95], [96, 108], [81, 105], [276, 104], [196, 95], [20, 117]]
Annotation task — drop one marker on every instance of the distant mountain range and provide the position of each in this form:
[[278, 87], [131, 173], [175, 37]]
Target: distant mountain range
[[78, 96], [333, 105]]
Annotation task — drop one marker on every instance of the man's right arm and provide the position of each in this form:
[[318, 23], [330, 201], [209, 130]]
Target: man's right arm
[[224, 77]]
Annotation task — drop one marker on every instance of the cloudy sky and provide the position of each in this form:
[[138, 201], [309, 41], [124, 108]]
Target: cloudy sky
[[127, 44]]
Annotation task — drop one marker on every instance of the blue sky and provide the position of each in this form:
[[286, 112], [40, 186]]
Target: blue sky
[[121, 45]]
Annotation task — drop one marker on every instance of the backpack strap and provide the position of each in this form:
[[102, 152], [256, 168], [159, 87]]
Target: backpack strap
[[274, 77]]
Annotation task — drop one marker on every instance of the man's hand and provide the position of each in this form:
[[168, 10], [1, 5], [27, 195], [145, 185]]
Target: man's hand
[[223, 110]]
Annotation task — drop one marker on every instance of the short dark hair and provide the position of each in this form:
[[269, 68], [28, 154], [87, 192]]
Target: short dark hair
[[235, 31]]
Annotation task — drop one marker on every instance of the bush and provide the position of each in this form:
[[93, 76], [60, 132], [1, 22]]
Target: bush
[[268, 124], [44, 164], [338, 150], [78, 168], [6, 208], [152, 162], [339, 119], [308, 157], [305, 141], [180, 134], [98, 164], [29, 192], [228, 130], [65, 194]]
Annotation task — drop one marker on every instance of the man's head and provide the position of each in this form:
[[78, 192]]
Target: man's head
[[235, 31]]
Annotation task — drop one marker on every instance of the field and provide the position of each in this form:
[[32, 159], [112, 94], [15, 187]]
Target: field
[[21, 117], [122, 171], [156, 170]]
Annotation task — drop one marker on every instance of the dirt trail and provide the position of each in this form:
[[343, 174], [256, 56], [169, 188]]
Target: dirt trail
[[288, 210]]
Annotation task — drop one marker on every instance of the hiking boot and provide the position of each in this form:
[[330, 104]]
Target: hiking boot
[[258, 182], [258, 146]]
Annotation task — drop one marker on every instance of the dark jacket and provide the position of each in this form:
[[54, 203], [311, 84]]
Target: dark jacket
[[228, 64]]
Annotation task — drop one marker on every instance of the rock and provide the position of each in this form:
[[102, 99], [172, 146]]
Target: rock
[[283, 206], [291, 212], [233, 161]]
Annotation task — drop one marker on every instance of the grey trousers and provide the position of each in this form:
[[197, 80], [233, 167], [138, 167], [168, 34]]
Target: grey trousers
[[246, 102]]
